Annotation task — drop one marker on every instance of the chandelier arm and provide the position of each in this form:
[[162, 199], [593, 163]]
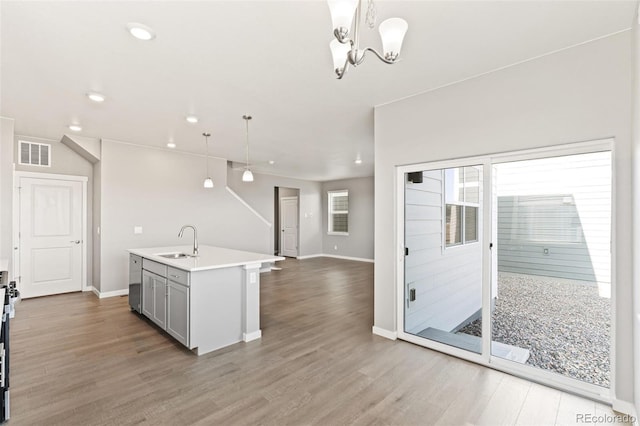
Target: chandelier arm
[[382, 58], [344, 69]]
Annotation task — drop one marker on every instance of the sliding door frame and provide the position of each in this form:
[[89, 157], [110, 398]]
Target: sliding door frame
[[544, 377]]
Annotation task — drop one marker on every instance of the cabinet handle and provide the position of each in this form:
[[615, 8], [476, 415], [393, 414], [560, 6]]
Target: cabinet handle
[[174, 276]]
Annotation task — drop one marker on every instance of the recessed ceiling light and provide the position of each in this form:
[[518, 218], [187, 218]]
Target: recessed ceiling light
[[140, 31], [75, 127], [358, 161], [96, 97], [272, 162], [171, 145], [192, 119]]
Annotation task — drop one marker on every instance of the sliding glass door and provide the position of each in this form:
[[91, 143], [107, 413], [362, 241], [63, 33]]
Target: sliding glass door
[[507, 262]]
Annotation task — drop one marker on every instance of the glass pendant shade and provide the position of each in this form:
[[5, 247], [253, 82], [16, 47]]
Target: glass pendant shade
[[339, 52], [342, 12], [392, 32], [208, 183], [247, 176]]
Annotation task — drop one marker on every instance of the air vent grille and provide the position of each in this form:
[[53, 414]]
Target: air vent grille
[[35, 154]]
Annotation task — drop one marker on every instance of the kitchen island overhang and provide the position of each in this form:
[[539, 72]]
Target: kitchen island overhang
[[205, 302]]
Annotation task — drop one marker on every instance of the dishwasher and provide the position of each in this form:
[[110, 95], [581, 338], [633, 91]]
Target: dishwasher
[[135, 282]]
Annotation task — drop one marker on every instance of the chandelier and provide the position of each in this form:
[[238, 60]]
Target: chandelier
[[345, 48]]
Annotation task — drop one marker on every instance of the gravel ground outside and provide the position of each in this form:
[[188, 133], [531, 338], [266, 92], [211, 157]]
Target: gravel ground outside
[[565, 324]]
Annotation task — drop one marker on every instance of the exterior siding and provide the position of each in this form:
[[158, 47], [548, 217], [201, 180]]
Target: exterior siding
[[554, 217], [447, 281]]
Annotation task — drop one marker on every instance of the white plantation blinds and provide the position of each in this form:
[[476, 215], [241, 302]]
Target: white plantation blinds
[[338, 212]]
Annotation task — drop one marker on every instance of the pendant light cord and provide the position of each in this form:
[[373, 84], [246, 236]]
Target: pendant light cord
[[206, 150], [246, 119]]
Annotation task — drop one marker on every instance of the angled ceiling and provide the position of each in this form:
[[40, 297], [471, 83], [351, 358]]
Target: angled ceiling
[[219, 60]]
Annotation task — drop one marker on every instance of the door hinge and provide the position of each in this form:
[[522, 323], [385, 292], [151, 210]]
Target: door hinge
[[406, 251], [490, 246], [412, 295]]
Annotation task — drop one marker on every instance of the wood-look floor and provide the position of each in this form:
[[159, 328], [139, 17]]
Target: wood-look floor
[[79, 360]]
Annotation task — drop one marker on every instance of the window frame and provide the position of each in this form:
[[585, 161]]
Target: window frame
[[331, 212], [463, 210]]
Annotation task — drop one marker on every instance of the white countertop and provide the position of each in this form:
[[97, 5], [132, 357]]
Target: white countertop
[[209, 257]]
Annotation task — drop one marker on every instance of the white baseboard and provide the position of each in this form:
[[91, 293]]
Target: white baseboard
[[309, 256], [625, 407], [335, 256], [392, 335], [105, 294], [357, 259], [254, 335]]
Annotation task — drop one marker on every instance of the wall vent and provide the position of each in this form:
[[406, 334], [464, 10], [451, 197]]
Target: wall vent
[[35, 154]]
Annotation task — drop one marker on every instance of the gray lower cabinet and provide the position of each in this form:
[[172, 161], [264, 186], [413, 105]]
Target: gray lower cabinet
[[154, 298], [178, 312], [165, 301]]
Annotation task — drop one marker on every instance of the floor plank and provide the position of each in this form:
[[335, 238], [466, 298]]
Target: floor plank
[[79, 360]]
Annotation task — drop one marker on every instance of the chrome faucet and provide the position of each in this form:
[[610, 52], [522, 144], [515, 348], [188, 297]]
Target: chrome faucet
[[195, 237]]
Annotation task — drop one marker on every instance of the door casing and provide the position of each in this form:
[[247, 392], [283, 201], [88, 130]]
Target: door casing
[[17, 176]]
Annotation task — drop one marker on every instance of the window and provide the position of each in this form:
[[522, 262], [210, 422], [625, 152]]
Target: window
[[338, 212], [462, 200]]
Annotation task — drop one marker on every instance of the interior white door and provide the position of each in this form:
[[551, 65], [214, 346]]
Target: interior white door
[[289, 226], [50, 238]]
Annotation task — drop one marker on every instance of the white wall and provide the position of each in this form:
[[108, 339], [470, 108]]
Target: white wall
[[359, 242], [6, 189], [161, 190], [260, 195], [579, 94]]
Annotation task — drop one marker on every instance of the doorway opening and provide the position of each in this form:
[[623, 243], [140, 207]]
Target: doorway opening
[[287, 220]]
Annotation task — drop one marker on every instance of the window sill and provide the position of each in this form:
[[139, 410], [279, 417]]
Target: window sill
[[346, 234]]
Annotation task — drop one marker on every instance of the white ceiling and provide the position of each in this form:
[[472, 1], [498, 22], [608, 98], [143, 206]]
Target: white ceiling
[[222, 59]]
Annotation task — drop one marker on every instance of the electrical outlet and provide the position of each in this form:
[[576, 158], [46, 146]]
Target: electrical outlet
[[335, 247], [137, 229]]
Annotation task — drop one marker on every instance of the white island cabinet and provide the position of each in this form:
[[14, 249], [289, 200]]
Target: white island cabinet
[[205, 302]]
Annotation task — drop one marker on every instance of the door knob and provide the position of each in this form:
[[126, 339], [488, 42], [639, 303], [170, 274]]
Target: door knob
[[76, 241]]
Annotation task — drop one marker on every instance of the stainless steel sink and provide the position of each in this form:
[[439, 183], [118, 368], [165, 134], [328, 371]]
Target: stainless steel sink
[[174, 255]]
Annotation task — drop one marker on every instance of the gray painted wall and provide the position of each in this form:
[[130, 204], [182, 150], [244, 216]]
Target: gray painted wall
[[578, 94], [65, 161], [359, 242], [635, 185], [6, 190], [260, 195], [161, 190]]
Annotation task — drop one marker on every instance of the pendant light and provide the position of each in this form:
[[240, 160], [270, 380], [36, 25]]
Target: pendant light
[[247, 176], [208, 182]]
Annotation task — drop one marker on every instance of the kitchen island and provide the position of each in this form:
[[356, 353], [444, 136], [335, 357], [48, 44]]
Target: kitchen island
[[206, 302]]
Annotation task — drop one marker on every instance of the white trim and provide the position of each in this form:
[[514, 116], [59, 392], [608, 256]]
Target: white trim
[[335, 256], [254, 335], [486, 359], [624, 407], [105, 294], [17, 175], [387, 334], [357, 259], [309, 256], [243, 202], [56, 176]]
